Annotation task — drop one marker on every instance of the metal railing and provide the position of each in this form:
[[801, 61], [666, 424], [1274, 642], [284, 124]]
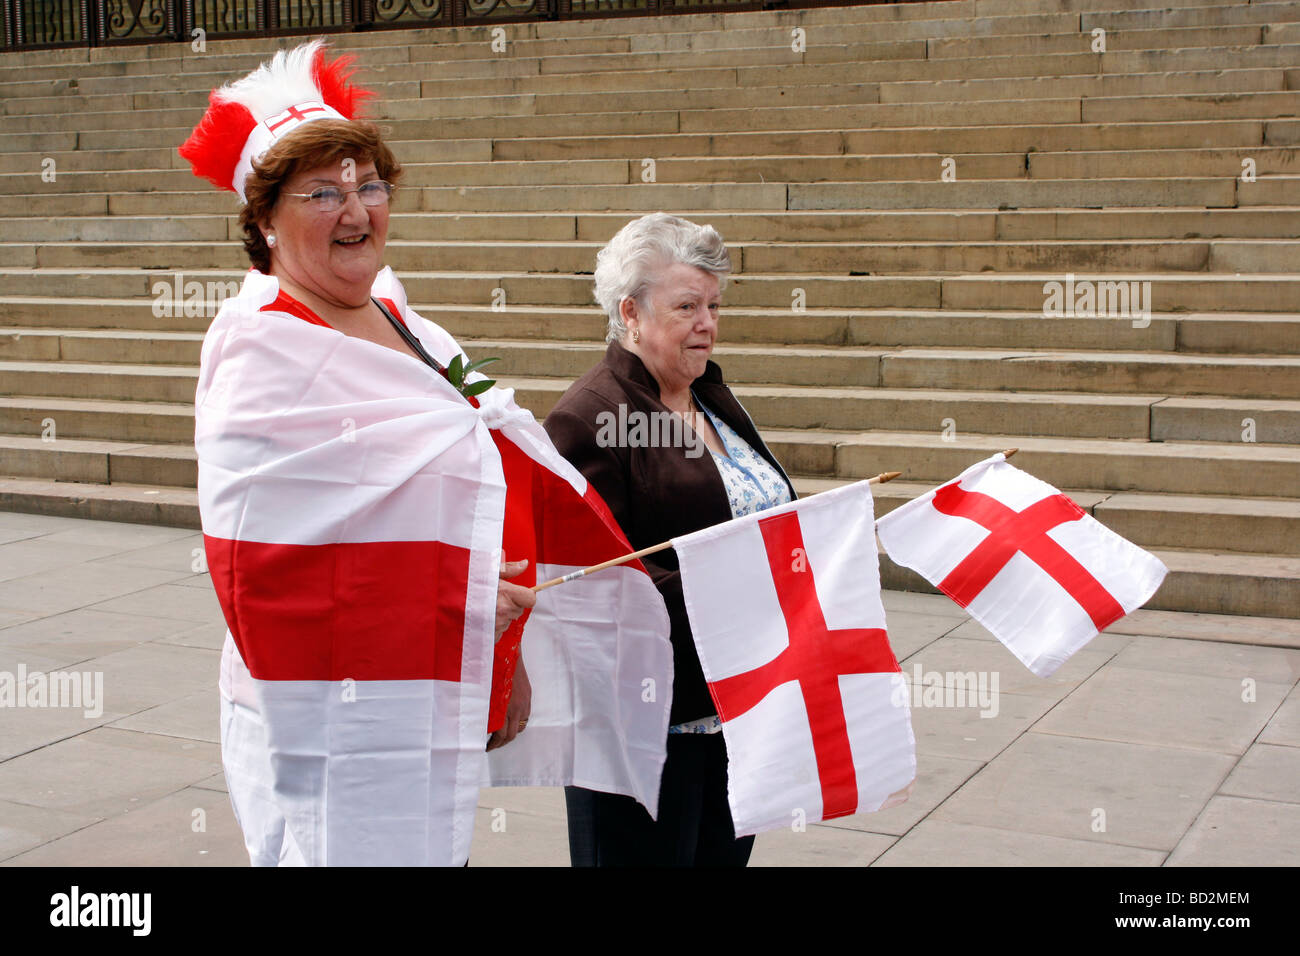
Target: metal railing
[[43, 24]]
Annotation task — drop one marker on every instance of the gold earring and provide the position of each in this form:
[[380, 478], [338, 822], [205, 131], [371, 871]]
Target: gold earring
[[636, 336]]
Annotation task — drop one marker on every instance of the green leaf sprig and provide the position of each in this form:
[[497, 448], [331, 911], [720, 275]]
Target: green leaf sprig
[[458, 371]]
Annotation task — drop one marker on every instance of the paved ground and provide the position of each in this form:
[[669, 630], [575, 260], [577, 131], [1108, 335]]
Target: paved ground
[[1174, 739]]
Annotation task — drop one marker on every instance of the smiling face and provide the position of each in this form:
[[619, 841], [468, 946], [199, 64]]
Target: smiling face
[[331, 255], [678, 322]]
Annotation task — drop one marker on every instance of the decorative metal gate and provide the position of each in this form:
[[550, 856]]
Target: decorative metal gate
[[35, 24]]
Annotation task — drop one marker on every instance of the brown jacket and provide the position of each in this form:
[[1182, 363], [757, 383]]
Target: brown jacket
[[654, 493]]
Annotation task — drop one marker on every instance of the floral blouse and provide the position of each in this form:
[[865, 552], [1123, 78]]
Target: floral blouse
[[752, 483]]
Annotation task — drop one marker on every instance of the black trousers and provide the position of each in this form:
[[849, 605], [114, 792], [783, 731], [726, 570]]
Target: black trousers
[[694, 826]]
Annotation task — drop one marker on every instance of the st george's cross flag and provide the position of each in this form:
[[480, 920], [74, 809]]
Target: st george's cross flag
[[352, 505], [1028, 563], [786, 612]]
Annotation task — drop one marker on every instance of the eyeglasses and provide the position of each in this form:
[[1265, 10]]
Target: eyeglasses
[[331, 198]]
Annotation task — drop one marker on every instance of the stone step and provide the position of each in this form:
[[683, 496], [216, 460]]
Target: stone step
[[100, 346], [1065, 42], [409, 101], [866, 225], [1126, 373], [1170, 255], [1022, 292], [1268, 191], [875, 258], [1149, 163], [1170, 374], [158, 228], [1038, 255], [959, 136], [992, 112], [1184, 468], [94, 172], [1062, 40], [33, 365], [924, 139], [1097, 164], [996, 194], [142, 504], [1049, 414], [1199, 16], [1262, 585], [159, 205], [163, 156], [1112, 85], [97, 419], [808, 226], [84, 161], [99, 462], [417, 79], [930, 194], [788, 96], [1224, 420], [37, 312], [1244, 293], [606, 184], [1267, 525], [622, 171], [71, 181], [1205, 333], [146, 383], [1190, 106], [953, 412], [1075, 62]]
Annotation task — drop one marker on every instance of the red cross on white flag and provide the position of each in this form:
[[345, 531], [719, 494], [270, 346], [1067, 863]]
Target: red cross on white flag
[[295, 116], [786, 613], [1028, 563]]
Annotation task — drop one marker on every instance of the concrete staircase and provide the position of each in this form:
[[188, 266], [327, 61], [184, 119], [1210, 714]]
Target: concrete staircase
[[896, 193]]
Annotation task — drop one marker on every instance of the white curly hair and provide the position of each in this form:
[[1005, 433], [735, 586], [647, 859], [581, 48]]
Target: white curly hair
[[628, 264]]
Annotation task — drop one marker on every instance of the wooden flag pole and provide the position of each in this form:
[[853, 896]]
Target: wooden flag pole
[[882, 477]]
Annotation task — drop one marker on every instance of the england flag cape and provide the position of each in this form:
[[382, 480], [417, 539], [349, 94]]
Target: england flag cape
[[352, 505]]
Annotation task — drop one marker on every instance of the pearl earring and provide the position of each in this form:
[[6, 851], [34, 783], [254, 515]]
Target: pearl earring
[[270, 241]]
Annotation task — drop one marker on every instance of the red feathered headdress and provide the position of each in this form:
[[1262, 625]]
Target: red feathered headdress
[[246, 117]]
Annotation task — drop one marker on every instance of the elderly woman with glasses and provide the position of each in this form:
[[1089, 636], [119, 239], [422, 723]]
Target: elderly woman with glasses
[[659, 281]]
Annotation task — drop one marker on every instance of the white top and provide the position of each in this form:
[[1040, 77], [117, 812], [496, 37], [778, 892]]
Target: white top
[[752, 483]]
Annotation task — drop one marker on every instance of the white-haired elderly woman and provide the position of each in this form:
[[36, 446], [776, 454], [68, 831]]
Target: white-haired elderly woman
[[661, 437]]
